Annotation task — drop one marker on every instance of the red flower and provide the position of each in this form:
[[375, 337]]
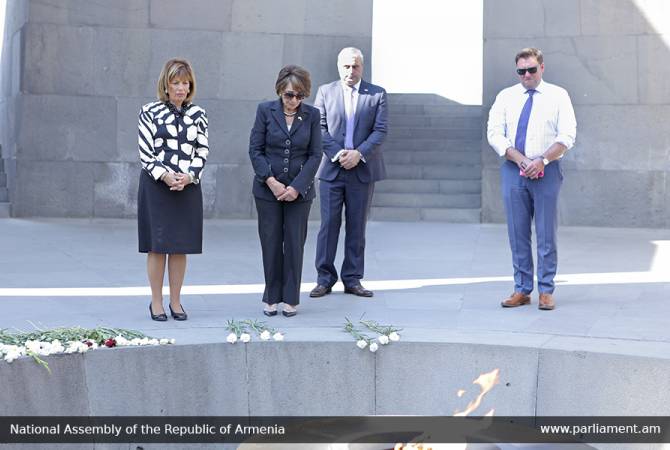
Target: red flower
[[88, 343], [110, 342]]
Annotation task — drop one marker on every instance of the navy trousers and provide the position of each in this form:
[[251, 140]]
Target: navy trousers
[[527, 200], [347, 191]]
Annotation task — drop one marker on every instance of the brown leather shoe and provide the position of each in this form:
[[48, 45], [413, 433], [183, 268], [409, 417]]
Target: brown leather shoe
[[516, 299], [320, 291], [546, 302], [358, 290]]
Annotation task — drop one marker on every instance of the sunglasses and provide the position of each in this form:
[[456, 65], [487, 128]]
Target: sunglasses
[[291, 95], [522, 72]]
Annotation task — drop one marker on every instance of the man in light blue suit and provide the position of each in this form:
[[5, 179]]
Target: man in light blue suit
[[353, 127]]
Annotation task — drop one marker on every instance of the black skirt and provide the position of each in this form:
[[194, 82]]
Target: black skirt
[[168, 221]]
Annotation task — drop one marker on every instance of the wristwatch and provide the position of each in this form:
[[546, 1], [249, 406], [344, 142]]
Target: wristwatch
[[545, 161]]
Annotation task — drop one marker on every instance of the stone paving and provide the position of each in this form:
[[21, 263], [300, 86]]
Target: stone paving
[[439, 282]]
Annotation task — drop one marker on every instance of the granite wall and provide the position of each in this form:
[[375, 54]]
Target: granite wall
[[613, 57], [83, 69]]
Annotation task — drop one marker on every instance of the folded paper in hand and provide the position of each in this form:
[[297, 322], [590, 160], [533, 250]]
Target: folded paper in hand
[[337, 156]]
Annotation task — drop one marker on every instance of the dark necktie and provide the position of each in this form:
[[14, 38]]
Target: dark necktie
[[522, 127]]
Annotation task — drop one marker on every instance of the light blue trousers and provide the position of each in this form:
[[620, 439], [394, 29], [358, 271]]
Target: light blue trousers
[[525, 200]]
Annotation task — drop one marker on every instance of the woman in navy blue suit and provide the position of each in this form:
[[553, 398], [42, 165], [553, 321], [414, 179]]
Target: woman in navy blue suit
[[285, 152]]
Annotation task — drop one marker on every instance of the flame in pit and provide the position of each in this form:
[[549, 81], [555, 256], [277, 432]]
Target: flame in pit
[[486, 381]]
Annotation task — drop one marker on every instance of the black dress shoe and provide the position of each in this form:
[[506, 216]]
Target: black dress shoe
[[157, 317], [270, 313], [178, 316], [358, 290], [289, 313], [320, 291]]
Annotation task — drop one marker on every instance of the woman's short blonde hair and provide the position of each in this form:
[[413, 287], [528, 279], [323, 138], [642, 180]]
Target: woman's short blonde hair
[[297, 76], [175, 68]]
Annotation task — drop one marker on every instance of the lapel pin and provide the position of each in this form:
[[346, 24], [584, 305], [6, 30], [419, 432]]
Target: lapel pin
[[299, 117]]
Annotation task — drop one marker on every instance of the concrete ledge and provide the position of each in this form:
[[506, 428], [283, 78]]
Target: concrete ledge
[[335, 378]]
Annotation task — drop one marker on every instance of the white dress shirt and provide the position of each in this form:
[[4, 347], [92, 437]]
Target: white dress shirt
[[552, 119], [346, 91]]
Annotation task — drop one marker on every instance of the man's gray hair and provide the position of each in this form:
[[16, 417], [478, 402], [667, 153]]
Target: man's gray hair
[[351, 51]]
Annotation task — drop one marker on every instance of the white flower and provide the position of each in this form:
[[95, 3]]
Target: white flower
[[164, 341], [373, 347], [56, 347], [361, 344], [121, 341], [153, 342], [76, 347], [12, 352], [383, 339], [265, 335], [232, 338], [245, 337], [395, 337], [278, 336], [32, 346], [11, 356], [173, 340]]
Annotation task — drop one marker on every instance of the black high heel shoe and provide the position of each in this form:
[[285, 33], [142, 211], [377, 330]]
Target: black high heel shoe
[[289, 313], [157, 317], [178, 316], [270, 312]]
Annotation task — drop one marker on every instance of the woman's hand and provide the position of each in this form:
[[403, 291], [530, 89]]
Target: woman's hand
[[277, 188], [176, 181], [289, 195], [183, 180], [170, 179]]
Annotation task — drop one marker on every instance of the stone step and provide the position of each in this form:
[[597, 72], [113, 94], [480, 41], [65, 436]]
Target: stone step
[[4, 210], [433, 172], [430, 100], [4, 194], [434, 109], [432, 157], [431, 121], [455, 215], [429, 186], [433, 133], [403, 145], [421, 99], [427, 200]]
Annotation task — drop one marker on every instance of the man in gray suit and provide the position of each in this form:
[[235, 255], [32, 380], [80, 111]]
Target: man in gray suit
[[353, 127]]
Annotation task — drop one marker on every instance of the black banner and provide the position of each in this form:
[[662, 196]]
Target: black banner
[[324, 429]]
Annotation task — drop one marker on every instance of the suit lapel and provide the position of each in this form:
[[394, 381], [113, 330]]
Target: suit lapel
[[298, 120], [362, 95], [278, 114]]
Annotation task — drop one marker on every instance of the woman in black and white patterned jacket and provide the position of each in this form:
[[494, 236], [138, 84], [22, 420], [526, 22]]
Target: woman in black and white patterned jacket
[[173, 148]]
